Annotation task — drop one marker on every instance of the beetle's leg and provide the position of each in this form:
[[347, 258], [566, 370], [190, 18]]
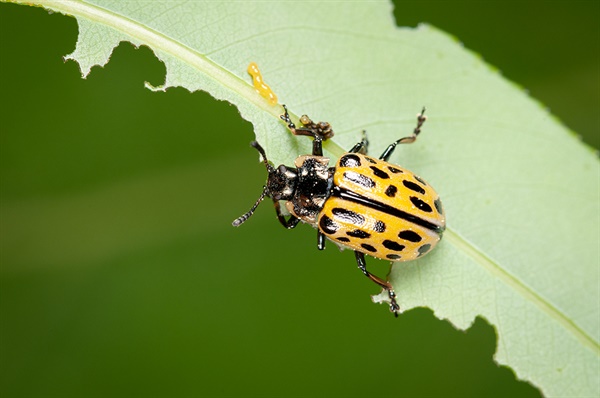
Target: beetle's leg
[[362, 146], [320, 240], [317, 138], [405, 140], [362, 265], [290, 222]]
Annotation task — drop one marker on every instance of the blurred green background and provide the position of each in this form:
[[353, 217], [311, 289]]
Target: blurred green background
[[122, 276]]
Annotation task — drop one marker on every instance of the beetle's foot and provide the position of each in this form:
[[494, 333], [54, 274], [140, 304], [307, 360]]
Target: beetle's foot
[[394, 307], [323, 129], [286, 118]]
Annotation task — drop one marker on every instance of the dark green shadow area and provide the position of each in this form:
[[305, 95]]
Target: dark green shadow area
[[120, 272]]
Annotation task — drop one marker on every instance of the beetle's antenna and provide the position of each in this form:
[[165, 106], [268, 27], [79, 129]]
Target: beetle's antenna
[[260, 149], [240, 220]]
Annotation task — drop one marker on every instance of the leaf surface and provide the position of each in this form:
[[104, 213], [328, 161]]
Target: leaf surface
[[520, 191]]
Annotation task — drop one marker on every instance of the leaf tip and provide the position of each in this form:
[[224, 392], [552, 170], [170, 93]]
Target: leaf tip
[[85, 70]]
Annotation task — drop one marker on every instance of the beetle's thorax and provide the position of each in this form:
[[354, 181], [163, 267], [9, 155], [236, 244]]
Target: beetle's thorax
[[313, 187]]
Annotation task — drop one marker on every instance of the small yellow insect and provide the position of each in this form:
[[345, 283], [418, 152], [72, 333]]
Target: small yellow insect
[[261, 87]]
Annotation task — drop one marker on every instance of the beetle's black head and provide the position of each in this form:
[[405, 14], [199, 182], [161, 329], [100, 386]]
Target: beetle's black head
[[281, 184]]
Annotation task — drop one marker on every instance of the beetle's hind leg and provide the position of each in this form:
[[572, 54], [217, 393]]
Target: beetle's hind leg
[[362, 265], [405, 140]]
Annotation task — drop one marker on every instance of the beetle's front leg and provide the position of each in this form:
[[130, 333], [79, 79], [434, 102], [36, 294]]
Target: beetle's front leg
[[311, 132], [290, 222], [320, 240]]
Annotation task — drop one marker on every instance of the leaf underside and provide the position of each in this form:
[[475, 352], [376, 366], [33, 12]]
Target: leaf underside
[[520, 191]]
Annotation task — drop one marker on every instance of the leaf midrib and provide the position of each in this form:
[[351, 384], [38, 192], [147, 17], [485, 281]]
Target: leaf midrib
[[157, 41]]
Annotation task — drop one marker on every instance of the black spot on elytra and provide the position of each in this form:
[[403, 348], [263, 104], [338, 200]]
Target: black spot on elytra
[[379, 226], [424, 249], [394, 170], [391, 191], [420, 180], [328, 226], [359, 179], [368, 247], [357, 233], [438, 205], [379, 173], [343, 239], [420, 204], [370, 160], [350, 160], [415, 187], [393, 256], [348, 216], [390, 244], [410, 236]]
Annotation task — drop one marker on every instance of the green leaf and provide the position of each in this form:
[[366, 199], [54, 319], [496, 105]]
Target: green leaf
[[520, 191]]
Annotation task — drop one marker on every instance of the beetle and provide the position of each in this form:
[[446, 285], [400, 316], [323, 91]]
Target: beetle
[[364, 204]]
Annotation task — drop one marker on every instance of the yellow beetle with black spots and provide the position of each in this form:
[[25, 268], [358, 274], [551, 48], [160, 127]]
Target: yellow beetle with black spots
[[364, 204]]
